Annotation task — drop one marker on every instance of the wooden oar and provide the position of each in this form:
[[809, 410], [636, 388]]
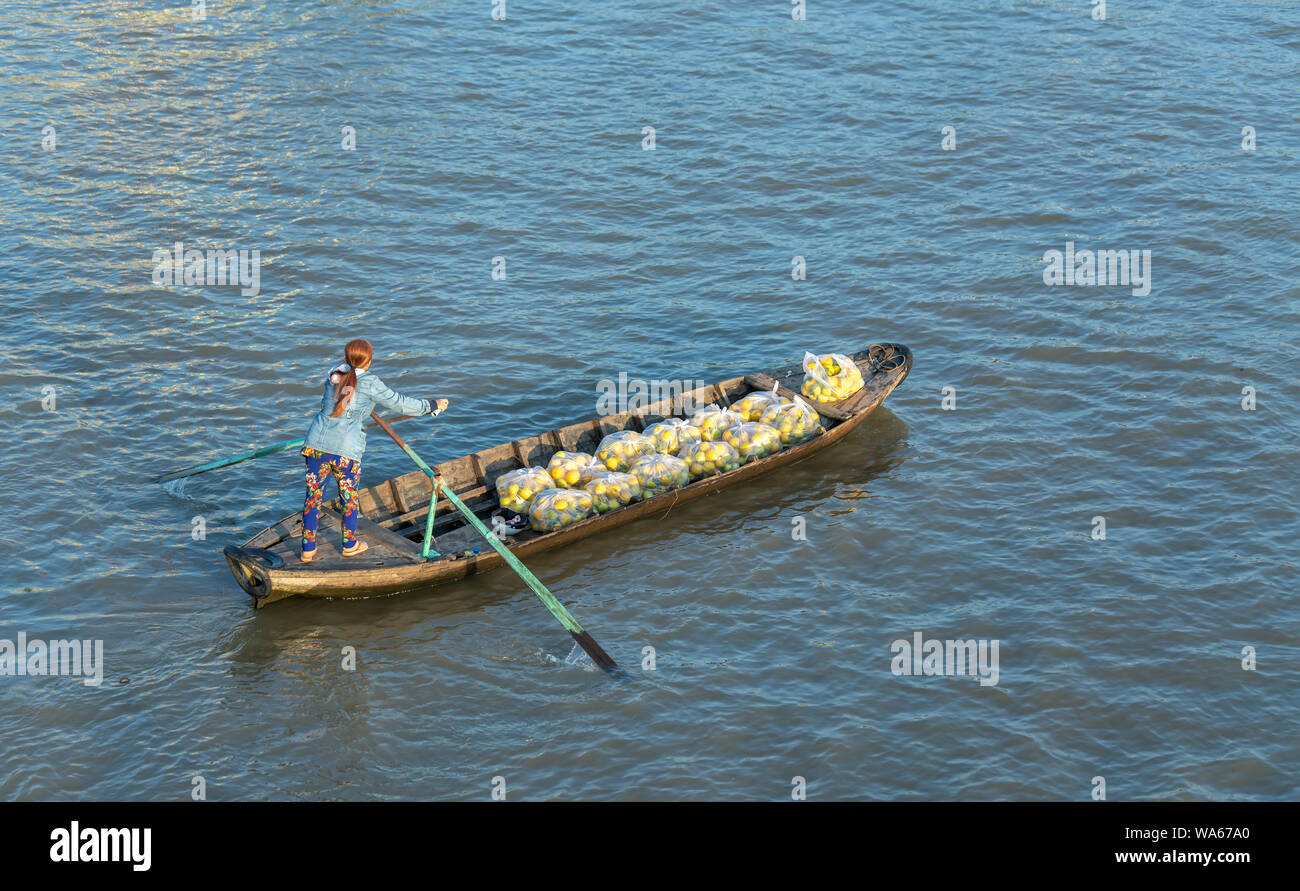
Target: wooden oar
[[585, 640], [226, 462]]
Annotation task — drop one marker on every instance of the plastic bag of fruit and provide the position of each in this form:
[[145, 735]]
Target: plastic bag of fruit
[[660, 473], [752, 406], [592, 471], [706, 458], [557, 508], [795, 422], [753, 441], [713, 421], [671, 434], [618, 450], [566, 468], [611, 490], [518, 487], [830, 378]]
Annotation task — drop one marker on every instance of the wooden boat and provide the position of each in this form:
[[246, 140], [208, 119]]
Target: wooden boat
[[394, 512]]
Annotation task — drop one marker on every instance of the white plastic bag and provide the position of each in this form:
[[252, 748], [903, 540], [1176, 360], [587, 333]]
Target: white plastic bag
[[619, 449], [670, 435], [516, 489], [796, 422], [611, 490], [713, 421], [566, 468], [830, 378], [707, 458], [752, 405], [660, 473], [557, 508], [753, 441]]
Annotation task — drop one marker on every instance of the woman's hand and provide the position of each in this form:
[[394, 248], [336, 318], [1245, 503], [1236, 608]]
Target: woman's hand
[[441, 405]]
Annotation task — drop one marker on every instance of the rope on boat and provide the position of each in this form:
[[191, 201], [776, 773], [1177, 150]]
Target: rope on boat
[[884, 357]]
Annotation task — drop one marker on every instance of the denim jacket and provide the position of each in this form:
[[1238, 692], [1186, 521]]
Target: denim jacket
[[343, 435]]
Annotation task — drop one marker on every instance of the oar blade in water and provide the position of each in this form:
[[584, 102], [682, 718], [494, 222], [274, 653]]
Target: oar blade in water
[[596, 652]]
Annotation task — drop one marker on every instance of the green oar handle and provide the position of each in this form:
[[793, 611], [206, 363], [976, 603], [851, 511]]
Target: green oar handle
[[239, 459], [226, 462], [598, 655], [427, 551], [557, 609]]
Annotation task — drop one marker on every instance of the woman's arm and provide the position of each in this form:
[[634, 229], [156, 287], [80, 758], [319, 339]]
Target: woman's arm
[[390, 399]]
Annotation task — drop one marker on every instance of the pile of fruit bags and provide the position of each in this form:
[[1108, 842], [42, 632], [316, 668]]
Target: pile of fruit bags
[[566, 467], [706, 458], [618, 450], [660, 473], [752, 406], [795, 422], [669, 436], [714, 421], [518, 487], [830, 378], [557, 508], [610, 490], [753, 440]]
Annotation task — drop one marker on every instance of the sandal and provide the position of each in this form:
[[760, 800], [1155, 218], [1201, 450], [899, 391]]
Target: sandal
[[356, 549], [308, 556]]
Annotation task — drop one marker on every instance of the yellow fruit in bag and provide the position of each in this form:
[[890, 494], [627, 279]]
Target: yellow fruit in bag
[[612, 490], [753, 440], [518, 487], [713, 421], [830, 378], [618, 450], [660, 473], [590, 472], [671, 434], [795, 422], [752, 406], [566, 467], [707, 458], [557, 508]]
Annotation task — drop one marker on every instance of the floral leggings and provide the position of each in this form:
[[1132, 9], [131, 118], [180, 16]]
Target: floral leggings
[[346, 472]]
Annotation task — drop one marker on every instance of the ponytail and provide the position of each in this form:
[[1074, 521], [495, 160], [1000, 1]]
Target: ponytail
[[356, 353]]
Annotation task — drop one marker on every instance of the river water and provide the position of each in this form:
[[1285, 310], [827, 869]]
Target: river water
[[1120, 658]]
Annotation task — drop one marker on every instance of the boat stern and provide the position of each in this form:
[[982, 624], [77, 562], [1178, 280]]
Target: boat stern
[[252, 569]]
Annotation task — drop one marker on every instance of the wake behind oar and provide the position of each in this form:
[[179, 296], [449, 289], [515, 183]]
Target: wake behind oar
[[578, 658]]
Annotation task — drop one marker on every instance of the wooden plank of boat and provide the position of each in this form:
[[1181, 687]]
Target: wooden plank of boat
[[386, 541], [267, 565]]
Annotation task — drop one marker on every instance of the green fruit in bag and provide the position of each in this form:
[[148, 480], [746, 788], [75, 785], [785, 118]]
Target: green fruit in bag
[[706, 458], [660, 473], [618, 450], [556, 508], [753, 441], [516, 489], [611, 490]]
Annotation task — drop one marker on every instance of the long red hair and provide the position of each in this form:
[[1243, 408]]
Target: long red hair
[[357, 353]]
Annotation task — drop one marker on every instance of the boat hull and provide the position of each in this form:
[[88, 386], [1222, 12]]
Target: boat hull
[[269, 575]]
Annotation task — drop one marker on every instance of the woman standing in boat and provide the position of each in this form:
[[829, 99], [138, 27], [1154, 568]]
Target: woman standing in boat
[[336, 442]]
